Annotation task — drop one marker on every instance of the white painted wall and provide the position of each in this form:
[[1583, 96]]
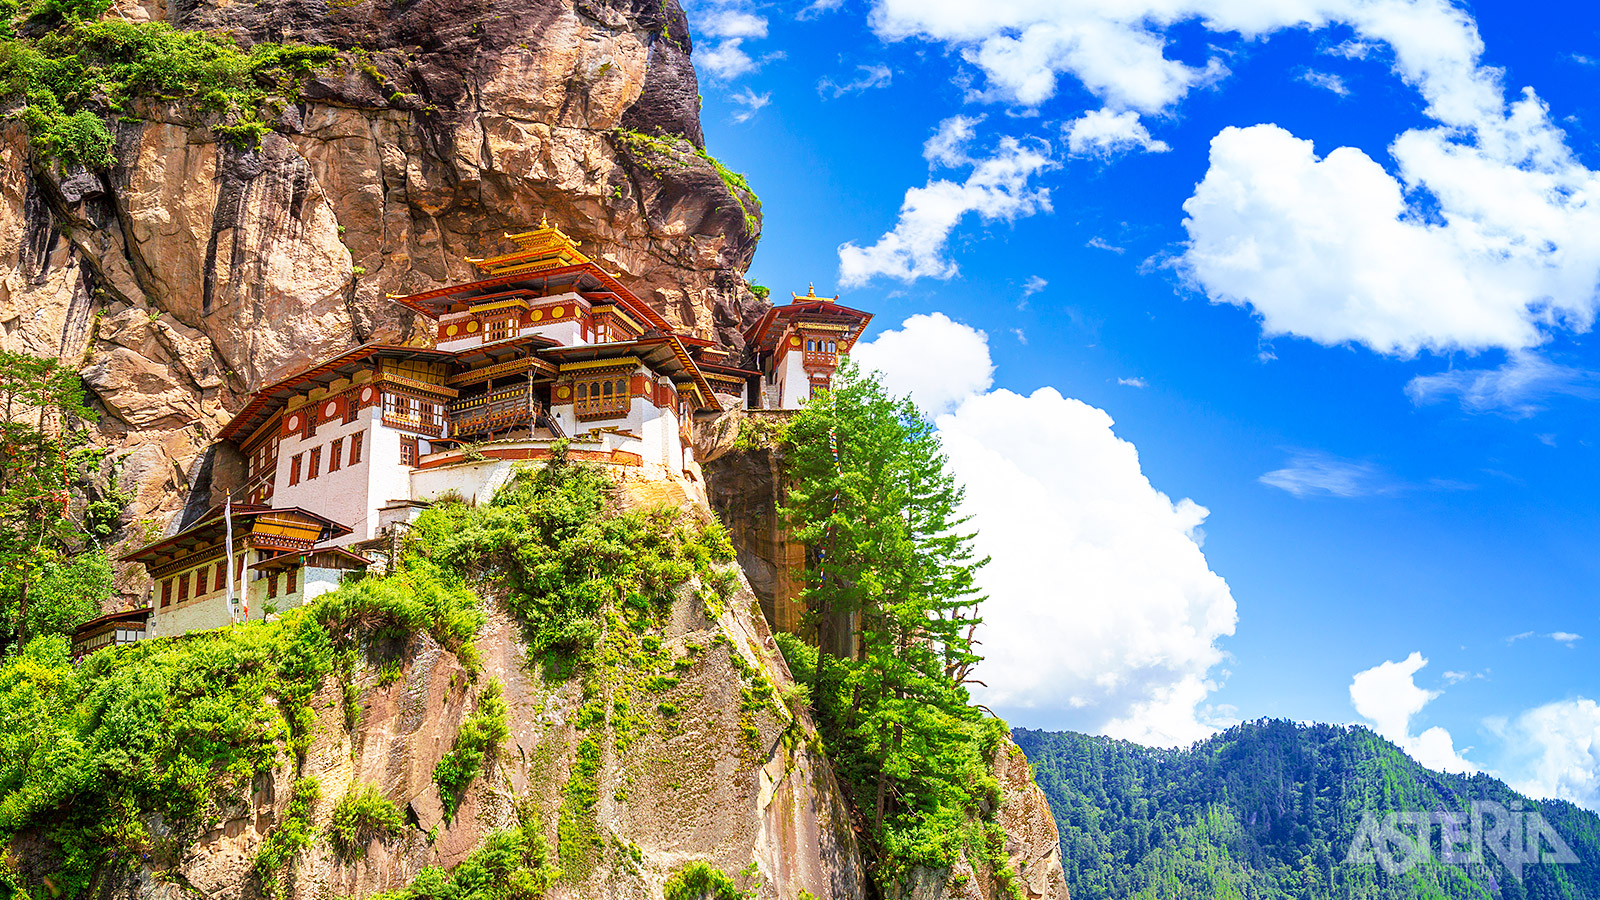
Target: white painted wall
[[794, 385]]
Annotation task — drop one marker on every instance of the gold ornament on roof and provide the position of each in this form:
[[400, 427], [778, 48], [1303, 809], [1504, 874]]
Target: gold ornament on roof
[[810, 296], [545, 247]]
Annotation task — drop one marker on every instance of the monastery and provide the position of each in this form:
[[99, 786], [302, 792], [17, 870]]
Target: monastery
[[544, 346]]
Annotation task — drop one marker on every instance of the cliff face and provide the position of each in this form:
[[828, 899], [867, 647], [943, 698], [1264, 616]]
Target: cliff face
[[192, 272]]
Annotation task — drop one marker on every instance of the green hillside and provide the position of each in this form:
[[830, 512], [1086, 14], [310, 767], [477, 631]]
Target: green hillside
[[1271, 809]]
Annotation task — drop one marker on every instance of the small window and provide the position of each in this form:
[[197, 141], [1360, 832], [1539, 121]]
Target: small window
[[832, 346], [166, 593], [606, 398], [183, 588], [288, 588], [408, 451], [498, 330], [220, 581], [355, 447], [335, 454], [810, 346], [294, 469], [315, 468], [311, 422], [272, 585], [352, 407]]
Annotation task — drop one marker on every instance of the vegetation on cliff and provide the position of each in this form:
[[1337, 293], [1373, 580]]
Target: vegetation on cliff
[[74, 72], [1270, 810], [170, 731], [871, 494], [53, 571]]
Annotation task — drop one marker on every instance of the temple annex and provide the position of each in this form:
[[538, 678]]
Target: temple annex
[[545, 346]]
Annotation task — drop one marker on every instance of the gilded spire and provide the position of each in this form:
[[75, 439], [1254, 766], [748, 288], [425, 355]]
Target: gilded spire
[[810, 295], [545, 247]]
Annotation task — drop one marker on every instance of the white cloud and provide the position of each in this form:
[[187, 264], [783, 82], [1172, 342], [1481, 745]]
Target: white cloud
[[1387, 696], [1560, 637], [1100, 243], [1325, 80], [1486, 234], [732, 27], [1517, 388], [752, 103], [1021, 336], [1135, 382], [1560, 757], [1318, 474], [1105, 134], [1033, 285], [872, 76], [817, 8], [1103, 614], [996, 189], [937, 361]]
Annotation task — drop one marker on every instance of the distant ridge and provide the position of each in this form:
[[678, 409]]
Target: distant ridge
[[1270, 809]]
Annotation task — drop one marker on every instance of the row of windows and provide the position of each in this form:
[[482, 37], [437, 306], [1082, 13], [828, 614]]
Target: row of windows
[[194, 583], [606, 397], [823, 346], [397, 407], [288, 584], [312, 459]]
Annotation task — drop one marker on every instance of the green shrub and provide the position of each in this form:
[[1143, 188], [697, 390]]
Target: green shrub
[[364, 814], [481, 732], [75, 71], [700, 881], [291, 835], [511, 865]]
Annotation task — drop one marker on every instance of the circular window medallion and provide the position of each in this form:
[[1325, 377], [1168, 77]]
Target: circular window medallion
[[558, 312], [472, 326], [294, 423], [450, 331], [563, 392], [794, 342], [366, 394], [536, 315], [330, 409]]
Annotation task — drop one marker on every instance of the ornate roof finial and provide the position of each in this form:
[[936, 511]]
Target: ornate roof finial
[[544, 220], [811, 295]]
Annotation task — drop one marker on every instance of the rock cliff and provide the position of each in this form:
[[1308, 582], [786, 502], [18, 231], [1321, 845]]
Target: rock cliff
[[192, 272]]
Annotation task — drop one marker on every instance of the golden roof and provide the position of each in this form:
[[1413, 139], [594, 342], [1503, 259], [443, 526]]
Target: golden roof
[[811, 295], [545, 247]]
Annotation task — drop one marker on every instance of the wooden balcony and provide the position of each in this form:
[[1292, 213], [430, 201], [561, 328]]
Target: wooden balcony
[[821, 358], [501, 409]]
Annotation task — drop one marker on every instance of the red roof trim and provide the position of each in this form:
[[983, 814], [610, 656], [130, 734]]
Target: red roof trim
[[418, 302]]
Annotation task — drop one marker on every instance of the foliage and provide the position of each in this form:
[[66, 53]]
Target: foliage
[[758, 432], [700, 881], [179, 727], [546, 542], [511, 865], [481, 732], [680, 150], [362, 815], [1269, 810], [290, 836], [52, 576], [761, 291], [76, 71], [881, 519]]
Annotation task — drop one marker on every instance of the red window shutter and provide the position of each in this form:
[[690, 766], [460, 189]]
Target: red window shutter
[[272, 585], [166, 593], [289, 588], [221, 580]]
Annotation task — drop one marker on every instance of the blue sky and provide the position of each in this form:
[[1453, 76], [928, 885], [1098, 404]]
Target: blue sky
[[1324, 265]]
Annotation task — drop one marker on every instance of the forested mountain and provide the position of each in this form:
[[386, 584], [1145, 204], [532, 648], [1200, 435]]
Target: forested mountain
[[1271, 809]]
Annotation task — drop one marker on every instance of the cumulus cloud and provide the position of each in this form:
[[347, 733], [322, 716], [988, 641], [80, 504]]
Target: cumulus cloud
[[996, 189], [726, 59], [1321, 475], [1517, 388], [1560, 744], [1103, 614], [938, 362], [868, 77], [1486, 234], [1387, 696], [1105, 134]]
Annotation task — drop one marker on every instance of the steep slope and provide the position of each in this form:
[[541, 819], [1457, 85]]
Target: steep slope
[[1271, 809], [189, 272]]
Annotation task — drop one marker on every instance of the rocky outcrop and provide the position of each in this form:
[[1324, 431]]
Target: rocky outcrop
[[193, 272], [741, 786]]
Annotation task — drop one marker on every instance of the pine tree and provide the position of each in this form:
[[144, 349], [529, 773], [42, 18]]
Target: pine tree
[[870, 493]]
